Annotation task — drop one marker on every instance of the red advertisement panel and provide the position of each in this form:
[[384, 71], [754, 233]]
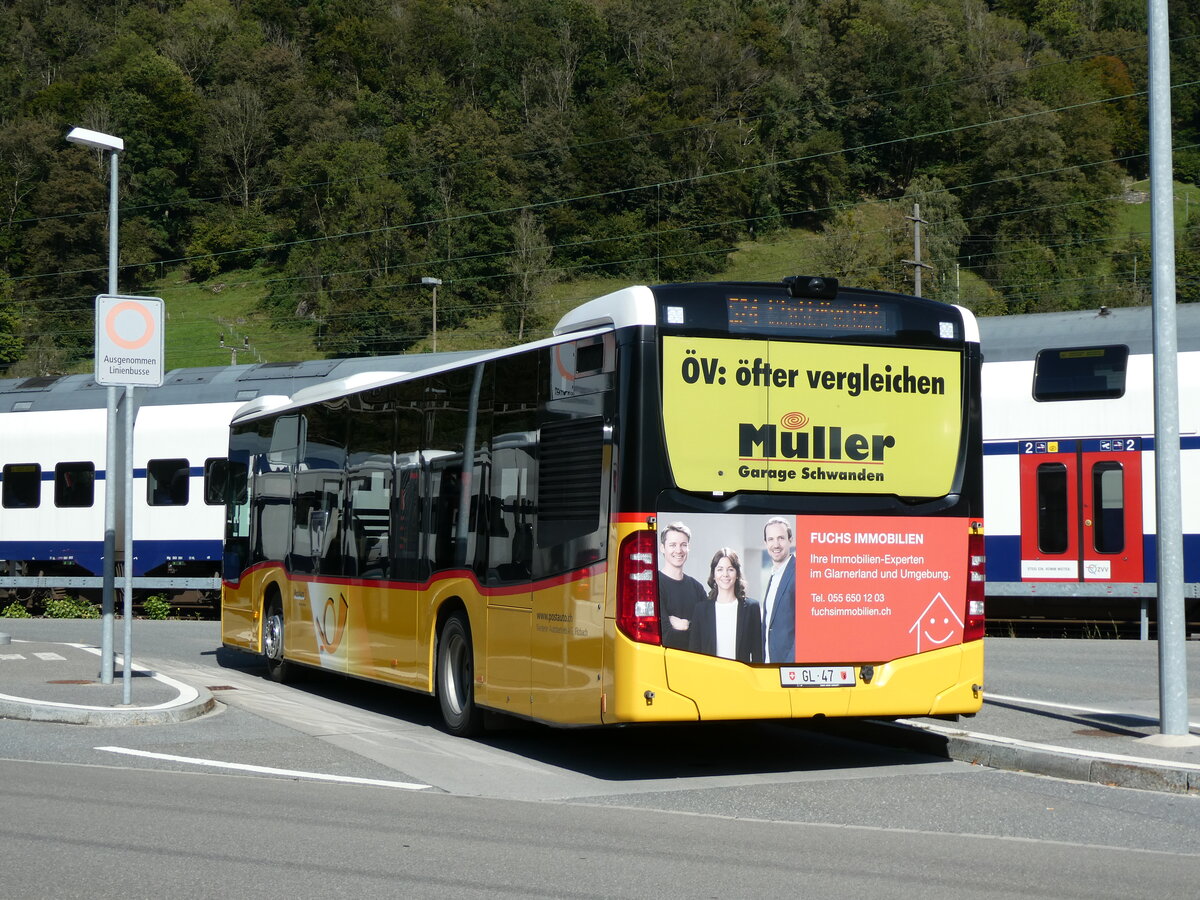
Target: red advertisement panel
[[878, 588]]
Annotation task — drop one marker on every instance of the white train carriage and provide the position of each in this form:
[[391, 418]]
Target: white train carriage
[[1068, 462], [53, 474], [1069, 459]]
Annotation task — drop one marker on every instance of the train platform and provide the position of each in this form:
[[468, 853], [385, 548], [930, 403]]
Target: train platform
[[1085, 710], [59, 682]]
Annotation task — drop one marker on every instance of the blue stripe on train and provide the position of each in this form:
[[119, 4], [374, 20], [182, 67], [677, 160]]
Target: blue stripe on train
[[1004, 557], [1012, 448], [89, 555]]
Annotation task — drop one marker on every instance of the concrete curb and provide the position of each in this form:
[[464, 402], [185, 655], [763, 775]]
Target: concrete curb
[[108, 716], [1023, 756]]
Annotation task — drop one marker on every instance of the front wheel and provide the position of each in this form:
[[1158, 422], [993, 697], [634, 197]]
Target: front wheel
[[456, 678], [278, 668]]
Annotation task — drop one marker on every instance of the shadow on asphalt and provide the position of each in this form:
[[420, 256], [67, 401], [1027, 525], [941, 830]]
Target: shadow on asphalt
[[625, 753]]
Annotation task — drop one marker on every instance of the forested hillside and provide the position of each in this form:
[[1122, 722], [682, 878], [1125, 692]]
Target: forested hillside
[[330, 153]]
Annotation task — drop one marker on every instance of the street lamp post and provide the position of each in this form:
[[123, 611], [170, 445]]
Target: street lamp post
[[114, 146], [433, 282]]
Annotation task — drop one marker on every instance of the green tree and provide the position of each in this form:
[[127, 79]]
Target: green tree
[[529, 265], [11, 343]]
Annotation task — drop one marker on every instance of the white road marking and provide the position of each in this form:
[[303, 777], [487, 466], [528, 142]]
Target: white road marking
[[1046, 704], [1052, 748], [11, 656], [266, 770], [187, 693], [49, 657]]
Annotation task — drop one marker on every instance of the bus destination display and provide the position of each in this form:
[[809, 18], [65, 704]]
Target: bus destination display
[[758, 314]]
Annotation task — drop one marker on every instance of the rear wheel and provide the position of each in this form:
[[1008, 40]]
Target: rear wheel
[[456, 678], [278, 668]]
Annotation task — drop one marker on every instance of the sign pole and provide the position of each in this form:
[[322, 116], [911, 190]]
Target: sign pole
[[127, 668], [129, 353]]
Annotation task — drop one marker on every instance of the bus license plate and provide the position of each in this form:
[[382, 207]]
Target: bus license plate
[[816, 676]]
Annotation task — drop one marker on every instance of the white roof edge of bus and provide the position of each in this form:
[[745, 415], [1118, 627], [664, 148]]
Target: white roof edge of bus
[[629, 306], [361, 381], [970, 324], [259, 405]]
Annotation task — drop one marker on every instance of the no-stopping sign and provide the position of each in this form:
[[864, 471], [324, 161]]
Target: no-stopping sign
[[129, 341]]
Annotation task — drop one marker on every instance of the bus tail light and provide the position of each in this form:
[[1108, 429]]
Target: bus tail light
[[976, 564], [637, 589]]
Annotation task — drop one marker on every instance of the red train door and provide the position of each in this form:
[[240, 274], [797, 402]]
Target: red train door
[[1081, 510]]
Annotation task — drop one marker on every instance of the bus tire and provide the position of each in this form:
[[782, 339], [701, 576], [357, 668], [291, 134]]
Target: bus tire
[[455, 678], [278, 668]]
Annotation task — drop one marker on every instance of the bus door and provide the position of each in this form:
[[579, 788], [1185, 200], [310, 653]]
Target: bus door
[[1081, 510]]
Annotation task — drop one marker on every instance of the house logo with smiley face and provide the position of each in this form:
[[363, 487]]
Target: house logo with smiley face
[[938, 625]]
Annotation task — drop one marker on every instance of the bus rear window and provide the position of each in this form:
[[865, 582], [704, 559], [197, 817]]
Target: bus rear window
[[1080, 373]]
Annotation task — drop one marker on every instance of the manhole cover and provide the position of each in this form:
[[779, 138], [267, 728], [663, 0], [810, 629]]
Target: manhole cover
[[221, 687]]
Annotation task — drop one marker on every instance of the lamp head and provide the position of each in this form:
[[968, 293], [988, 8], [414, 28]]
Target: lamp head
[[97, 139]]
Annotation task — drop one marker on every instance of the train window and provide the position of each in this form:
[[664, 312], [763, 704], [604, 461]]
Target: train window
[[74, 484], [22, 486], [215, 474], [1052, 507], [167, 482], [1080, 373], [1108, 506]]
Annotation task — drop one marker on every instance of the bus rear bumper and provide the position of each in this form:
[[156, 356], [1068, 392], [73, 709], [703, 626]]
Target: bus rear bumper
[[658, 685]]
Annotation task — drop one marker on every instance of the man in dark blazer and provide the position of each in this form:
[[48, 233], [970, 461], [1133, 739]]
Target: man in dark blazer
[[779, 596]]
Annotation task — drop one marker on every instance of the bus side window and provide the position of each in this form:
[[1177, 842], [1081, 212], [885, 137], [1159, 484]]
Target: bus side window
[[457, 410], [408, 563], [320, 484], [512, 481], [369, 486]]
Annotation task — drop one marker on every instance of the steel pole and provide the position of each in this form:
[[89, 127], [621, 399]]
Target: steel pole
[[127, 668], [111, 465], [1172, 663]]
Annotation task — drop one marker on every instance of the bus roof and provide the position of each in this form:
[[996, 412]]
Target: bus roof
[[365, 380]]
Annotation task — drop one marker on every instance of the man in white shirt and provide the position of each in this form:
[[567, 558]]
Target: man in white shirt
[[779, 599]]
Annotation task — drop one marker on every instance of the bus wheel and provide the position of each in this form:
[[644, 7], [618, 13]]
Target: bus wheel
[[277, 666], [456, 678]]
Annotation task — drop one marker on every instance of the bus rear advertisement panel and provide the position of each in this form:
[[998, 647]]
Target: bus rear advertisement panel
[[832, 589], [775, 415]]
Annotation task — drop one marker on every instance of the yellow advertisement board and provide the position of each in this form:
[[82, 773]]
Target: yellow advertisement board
[[811, 418]]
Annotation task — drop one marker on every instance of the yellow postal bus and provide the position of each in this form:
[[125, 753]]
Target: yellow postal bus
[[695, 501]]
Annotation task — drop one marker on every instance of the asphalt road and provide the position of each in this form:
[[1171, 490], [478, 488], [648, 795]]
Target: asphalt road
[[724, 810]]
